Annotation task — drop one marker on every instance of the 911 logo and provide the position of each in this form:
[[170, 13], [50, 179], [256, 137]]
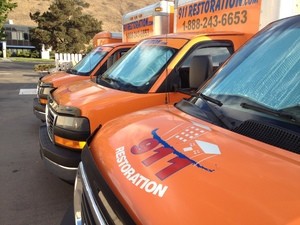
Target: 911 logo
[[192, 150]]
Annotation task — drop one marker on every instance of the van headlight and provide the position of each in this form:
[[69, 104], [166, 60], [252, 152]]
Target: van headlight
[[44, 89], [73, 123], [71, 132]]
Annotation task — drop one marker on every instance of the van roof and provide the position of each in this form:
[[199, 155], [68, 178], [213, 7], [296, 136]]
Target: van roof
[[119, 44], [193, 34]]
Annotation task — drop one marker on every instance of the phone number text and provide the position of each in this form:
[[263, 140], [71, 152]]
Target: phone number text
[[227, 19]]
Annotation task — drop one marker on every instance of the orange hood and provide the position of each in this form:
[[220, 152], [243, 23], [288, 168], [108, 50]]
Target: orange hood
[[59, 78], [170, 168], [85, 93]]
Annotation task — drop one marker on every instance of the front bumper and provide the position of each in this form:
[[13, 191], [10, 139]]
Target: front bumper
[[87, 211], [60, 161], [39, 110], [94, 200]]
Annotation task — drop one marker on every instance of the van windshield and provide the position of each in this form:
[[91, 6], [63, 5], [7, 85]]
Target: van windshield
[[265, 72], [87, 64], [138, 70]]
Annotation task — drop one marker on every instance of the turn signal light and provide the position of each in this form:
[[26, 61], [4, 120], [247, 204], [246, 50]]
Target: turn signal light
[[77, 145], [43, 101]]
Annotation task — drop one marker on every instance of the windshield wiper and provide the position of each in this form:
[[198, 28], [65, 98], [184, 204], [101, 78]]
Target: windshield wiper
[[111, 81], [217, 113], [201, 96], [210, 99], [263, 109], [72, 71]]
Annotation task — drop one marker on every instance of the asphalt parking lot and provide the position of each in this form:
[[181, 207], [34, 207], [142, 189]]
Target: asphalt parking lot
[[29, 194]]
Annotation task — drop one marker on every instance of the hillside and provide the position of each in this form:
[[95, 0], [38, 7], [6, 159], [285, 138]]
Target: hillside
[[108, 11]]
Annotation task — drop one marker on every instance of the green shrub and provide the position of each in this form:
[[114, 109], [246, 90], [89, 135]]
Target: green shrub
[[43, 67], [23, 53], [8, 53], [35, 54], [52, 55]]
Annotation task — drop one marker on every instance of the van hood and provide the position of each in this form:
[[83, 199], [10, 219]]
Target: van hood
[[62, 77], [81, 93], [167, 167]]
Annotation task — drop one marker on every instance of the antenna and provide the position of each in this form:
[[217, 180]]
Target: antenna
[[167, 99]]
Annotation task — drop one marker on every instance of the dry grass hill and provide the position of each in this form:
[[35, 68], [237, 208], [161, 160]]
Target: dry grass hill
[[108, 11]]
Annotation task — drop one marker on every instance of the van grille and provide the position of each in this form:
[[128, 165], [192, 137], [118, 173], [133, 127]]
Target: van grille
[[50, 121], [39, 89], [98, 202], [86, 213]]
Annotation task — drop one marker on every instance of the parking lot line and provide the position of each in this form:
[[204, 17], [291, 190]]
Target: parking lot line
[[28, 91]]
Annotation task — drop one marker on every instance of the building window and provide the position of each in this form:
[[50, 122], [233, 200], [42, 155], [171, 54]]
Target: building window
[[26, 36], [17, 35]]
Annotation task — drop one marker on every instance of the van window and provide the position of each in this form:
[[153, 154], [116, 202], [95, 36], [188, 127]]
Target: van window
[[111, 60], [139, 69], [179, 78], [87, 64], [219, 55]]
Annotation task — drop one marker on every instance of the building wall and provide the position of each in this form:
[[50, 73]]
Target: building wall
[[17, 37]]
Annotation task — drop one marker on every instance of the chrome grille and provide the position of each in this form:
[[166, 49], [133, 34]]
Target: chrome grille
[[85, 207], [50, 121], [38, 88], [86, 213], [94, 201]]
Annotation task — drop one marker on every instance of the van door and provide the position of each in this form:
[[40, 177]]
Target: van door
[[179, 78]]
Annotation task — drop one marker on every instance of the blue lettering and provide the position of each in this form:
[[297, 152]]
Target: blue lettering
[[226, 7], [239, 3], [212, 6], [190, 10], [218, 6], [196, 10], [222, 7], [138, 24], [250, 2], [180, 13], [185, 10], [201, 5], [206, 7]]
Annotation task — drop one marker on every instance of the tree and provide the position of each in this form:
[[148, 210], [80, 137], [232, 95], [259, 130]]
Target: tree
[[64, 27], [5, 7]]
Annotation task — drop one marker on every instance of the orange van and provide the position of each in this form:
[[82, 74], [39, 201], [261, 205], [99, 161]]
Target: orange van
[[156, 71], [149, 74], [151, 20], [92, 65], [229, 154], [106, 37]]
